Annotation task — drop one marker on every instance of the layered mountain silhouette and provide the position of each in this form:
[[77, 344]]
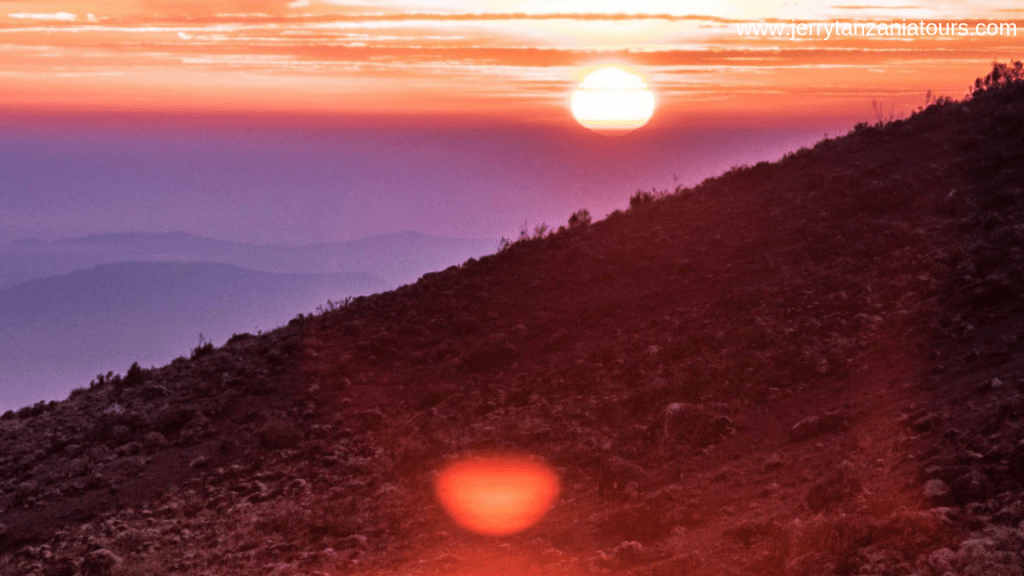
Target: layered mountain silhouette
[[60, 332], [75, 307], [808, 367], [398, 258]]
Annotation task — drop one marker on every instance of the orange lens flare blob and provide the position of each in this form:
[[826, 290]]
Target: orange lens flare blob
[[497, 495]]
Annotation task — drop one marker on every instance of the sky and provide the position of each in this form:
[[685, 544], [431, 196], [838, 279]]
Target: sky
[[298, 121], [490, 57]]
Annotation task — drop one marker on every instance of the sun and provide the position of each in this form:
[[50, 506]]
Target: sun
[[612, 99]]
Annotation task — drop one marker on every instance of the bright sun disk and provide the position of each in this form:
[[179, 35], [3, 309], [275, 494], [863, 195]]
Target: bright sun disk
[[612, 99]]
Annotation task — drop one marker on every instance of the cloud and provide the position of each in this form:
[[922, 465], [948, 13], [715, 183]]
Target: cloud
[[299, 4], [61, 16]]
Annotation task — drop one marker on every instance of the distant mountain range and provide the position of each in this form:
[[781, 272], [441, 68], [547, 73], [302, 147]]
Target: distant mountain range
[[62, 331], [398, 258], [73, 308]]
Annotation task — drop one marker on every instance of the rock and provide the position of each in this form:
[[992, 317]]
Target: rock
[[370, 419], [926, 423], [817, 425], [616, 473], [693, 426], [839, 486], [988, 386], [131, 448], [941, 561], [973, 487], [150, 392], [774, 462], [62, 566], [354, 541], [627, 554], [1011, 514], [198, 462], [154, 441], [99, 563], [1017, 460], [281, 569], [937, 492], [981, 556]]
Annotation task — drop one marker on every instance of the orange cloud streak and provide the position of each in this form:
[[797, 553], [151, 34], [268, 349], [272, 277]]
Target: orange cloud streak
[[425, 57]]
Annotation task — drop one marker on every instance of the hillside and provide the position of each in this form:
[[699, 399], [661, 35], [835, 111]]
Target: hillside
[[808, 367], [59, 332]]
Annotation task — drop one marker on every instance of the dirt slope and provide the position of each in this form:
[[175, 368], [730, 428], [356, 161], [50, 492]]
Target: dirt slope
[[806, 367]]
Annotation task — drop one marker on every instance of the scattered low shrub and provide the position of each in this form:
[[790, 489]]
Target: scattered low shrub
[[641, 198], [1001, 75], [579, 219], [236, 338], [204, 348], [134, 376]]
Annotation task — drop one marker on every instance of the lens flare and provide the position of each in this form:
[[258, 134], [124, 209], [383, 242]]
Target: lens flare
[[497, 495]]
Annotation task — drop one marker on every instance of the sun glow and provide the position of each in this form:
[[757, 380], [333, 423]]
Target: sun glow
[[497, 495], [612, 99]]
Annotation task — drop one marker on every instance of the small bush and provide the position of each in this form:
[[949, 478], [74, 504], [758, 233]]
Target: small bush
[[579, 219], [1001, 75], [101, 380], [134, 376], [333, 305], [76, 392], [236, 338], [640, 198], [204, 348], [34, 410]]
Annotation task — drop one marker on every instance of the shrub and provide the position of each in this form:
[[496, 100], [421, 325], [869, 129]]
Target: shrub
[[204, 348], [134, 376], [236, 338], [641, 198], [333, 305], [579, 219], [1001, 75], [34, 410], [101, 379]]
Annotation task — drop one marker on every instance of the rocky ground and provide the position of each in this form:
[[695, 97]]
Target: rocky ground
[[808, 367]]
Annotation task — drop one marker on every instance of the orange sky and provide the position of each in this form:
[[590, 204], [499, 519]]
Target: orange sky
[[517, 59]]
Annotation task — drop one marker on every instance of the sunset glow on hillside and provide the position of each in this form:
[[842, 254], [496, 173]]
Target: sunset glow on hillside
[[504, 58]]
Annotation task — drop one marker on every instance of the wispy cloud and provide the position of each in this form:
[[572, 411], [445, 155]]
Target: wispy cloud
[[347, 56], [60, 16]]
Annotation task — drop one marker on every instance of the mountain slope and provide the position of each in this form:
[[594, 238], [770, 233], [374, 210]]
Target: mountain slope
[[60, 332], [807, 367]]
